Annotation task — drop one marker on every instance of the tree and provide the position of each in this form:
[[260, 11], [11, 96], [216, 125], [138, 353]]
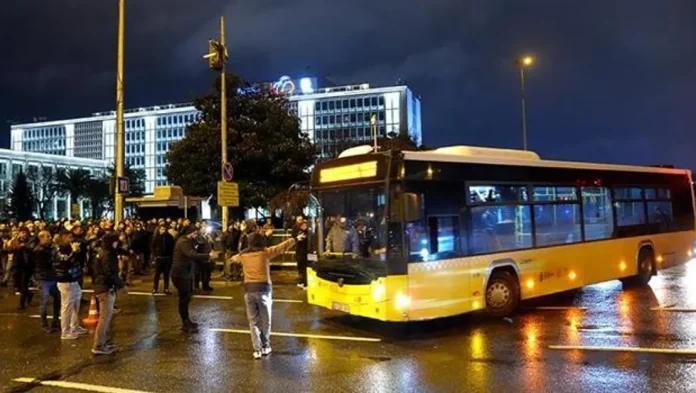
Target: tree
[[264, 144], [99, 195], [21, 199], [45, 186], [74, 182]]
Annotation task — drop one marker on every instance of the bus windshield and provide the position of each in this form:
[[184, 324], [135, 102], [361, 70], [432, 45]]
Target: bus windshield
[[354, 222]]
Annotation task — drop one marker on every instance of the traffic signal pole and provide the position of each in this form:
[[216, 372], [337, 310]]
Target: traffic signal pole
[[118, 197], [223, 116]]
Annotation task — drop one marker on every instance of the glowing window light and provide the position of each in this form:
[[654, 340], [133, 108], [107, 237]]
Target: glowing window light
[[348, 172]]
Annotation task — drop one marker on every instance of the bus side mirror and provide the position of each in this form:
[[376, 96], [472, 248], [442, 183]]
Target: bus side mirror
[[412, 207]]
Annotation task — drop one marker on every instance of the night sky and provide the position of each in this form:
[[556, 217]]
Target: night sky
[[615, 80]]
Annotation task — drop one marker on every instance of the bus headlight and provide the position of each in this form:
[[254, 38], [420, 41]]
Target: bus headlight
[[378, 292], [402, 301]]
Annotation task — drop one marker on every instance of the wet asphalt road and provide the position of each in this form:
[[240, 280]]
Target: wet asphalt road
[[471, 353]]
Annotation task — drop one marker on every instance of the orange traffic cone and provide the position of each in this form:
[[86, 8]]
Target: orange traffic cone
[[93, 317]]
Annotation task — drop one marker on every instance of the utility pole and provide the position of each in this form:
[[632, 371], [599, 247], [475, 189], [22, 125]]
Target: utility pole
[[217, 58], [223, 116], [120, 148], [373, 120]]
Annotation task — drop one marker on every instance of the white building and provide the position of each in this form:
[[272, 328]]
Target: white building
[[332, 117], [12, 162]]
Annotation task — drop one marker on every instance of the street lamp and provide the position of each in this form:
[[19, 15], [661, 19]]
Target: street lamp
[[523, 63]]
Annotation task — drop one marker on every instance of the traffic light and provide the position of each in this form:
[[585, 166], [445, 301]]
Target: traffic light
[[217, 55]]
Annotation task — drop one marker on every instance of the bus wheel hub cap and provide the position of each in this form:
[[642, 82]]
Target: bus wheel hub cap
[[498, 295]]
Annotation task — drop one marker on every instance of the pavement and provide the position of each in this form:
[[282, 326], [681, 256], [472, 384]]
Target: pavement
[[599, 339]]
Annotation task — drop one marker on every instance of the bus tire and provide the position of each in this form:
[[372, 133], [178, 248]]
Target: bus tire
[[646, 267], [502, 294]]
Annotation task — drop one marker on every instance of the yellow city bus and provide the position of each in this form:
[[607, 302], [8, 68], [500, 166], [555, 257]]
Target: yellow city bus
[[417, 235]]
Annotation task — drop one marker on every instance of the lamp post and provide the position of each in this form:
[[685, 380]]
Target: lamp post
[[522, 63], [118, 202]]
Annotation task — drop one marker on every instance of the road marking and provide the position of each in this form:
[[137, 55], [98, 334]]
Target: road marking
[[625, 349], [673, 309], [146, 294], [212, 297], [556, 308], [78, 386], [88, 291], [287, 301], [299, 335]]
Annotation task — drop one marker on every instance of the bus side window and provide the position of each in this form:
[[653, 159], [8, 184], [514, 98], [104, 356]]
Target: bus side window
[[444, 234], [598, 214]]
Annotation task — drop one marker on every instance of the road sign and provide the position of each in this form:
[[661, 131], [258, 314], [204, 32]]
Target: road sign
[[227, 172], [123, 185], [228, 194]]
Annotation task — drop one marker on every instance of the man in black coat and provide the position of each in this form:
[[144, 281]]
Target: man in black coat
[[183, 268], [22, 247], [162, 250], [106, 283], [43, 256]]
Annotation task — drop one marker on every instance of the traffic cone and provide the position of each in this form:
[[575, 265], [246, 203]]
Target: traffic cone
[[93, 317]]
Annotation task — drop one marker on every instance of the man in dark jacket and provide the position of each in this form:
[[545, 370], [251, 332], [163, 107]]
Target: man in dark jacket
[[183, 267], [68, 274], [78, 236], [301, 251], [106, 283], [22, 247], [162, 250], [46, 276]]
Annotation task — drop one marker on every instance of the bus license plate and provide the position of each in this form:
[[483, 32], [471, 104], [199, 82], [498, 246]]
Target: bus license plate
[[340, 307]]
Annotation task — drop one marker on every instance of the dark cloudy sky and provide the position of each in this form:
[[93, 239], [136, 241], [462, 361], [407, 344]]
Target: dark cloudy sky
[[615, 80]]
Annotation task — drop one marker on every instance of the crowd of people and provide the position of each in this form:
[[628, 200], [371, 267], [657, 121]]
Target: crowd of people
[[55, 257]]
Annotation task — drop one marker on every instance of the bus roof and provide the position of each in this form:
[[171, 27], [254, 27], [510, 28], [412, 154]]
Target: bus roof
[[480, 155]]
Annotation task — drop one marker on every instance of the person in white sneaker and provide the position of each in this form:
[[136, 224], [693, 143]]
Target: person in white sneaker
[[106, 283], [68, 274], [256, 262]]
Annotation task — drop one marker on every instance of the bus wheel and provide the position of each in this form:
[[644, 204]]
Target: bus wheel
[[502, 294], [646, 264]]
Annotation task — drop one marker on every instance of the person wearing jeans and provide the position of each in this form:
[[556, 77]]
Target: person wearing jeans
[[106, 283], [68, 274], [46, 276], [256, 262]]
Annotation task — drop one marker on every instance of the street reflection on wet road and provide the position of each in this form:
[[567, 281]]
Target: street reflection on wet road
[[470, 353]]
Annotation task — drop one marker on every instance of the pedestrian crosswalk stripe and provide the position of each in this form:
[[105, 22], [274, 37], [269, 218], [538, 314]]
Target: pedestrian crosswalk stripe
[[300, 335], [78, 386], [625, 349]]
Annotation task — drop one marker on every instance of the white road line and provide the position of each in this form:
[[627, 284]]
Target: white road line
[[673, 309], [88, 291], [299, 335], [213, 297], [555, 308], [146, 294], [78, 386], [625, 349], [287, 301]]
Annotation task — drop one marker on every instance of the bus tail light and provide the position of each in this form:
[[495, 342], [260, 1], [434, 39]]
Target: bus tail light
[[402, 301]]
